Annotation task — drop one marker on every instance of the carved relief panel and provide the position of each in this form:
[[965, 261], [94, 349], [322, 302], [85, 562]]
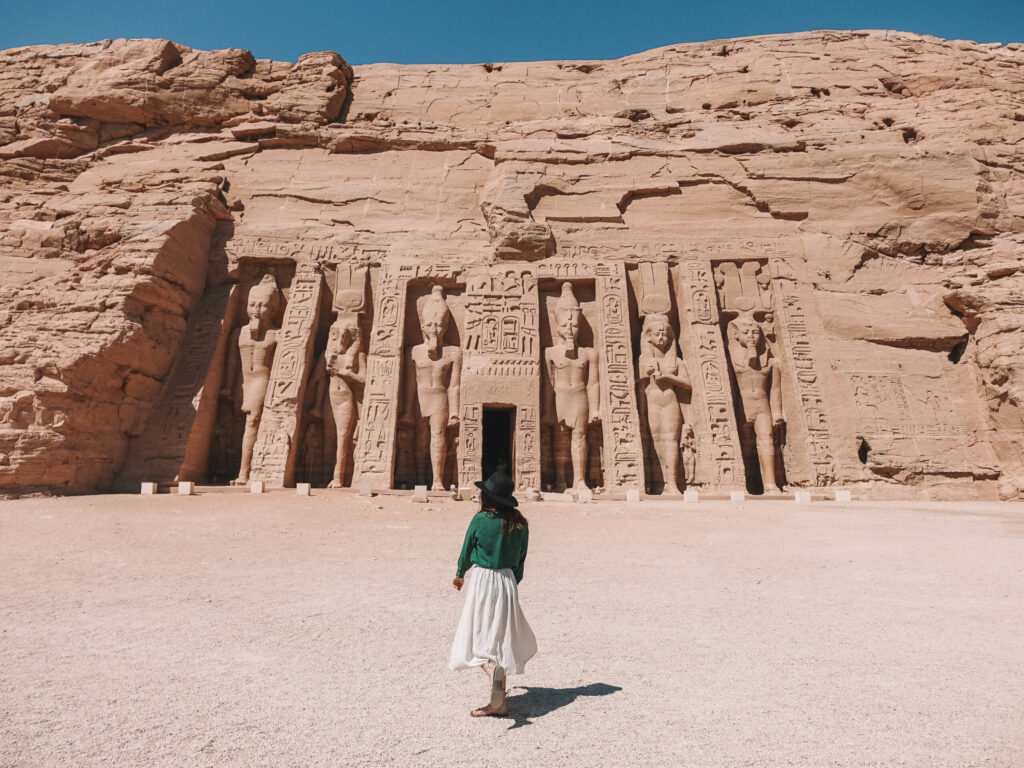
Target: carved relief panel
[[623, 450], [375, 446], [501, 369], [718, 458]]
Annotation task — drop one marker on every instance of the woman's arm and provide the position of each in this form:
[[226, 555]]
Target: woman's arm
[[517, 571], [467, 549]]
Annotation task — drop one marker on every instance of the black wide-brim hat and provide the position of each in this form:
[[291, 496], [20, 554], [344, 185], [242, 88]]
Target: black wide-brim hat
[[499, 487]]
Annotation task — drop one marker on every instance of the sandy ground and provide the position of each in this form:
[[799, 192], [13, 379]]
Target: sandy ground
[[237, 630]]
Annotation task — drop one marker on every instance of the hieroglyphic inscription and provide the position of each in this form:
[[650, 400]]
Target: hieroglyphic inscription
[[623, 452], [501, 367], [809, 387], [303, 250], [650, 250], [375, 450], [470, 443], [273, 456], [719, 438]]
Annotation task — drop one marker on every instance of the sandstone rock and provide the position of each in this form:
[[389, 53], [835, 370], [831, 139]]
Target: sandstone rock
[[873, 181]]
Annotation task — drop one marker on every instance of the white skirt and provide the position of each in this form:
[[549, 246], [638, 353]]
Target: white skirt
[[493, 627]]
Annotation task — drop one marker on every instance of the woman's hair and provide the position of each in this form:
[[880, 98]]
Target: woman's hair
[[511, 518]]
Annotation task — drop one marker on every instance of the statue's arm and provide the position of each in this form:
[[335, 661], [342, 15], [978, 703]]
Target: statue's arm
[[454, 389], [682, 375]]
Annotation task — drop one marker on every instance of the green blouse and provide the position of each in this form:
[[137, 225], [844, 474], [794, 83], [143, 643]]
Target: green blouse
[[489, 546]]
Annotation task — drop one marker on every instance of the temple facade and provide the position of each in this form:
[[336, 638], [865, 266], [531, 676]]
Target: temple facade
[[689, 366]]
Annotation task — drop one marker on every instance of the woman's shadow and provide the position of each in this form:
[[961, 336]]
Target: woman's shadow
[[537, 702]]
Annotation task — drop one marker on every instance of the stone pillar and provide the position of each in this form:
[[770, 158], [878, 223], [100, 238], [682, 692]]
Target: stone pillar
[[273, 456], [375, 449], [719, 459], [501, 367], [816, 463], [623, 450]]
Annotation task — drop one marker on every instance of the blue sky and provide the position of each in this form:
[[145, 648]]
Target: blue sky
[[458, 31]]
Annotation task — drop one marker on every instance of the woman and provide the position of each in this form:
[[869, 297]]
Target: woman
[[493, 633]]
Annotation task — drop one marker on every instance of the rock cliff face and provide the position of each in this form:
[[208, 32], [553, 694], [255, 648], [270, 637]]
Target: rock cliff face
[[859, 195]]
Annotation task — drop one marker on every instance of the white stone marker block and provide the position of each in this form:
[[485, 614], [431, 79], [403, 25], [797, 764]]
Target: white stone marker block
[[419, 493], [186, 488], [257, 486], [303, 489], [632, 495], [691, 496], [738, 495], [584, 496], [148, 489], [802, 497], [844, 496], [466, 492]]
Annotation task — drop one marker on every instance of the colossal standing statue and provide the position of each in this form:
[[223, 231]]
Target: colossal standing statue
[[757, 378], [433, 374], [662, 375], [346, 364], [252, 347], [573, 372]]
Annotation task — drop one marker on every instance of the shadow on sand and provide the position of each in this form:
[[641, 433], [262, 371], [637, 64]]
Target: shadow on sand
[[537, 702]]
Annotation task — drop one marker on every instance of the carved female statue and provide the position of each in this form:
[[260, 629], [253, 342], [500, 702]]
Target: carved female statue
[[662, 375], [346, 364]]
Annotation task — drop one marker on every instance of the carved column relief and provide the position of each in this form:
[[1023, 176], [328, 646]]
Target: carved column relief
[[718, 456], [375, 449], [623, 450], [501, 368], [273, 455], [175, 443], [796, 341]]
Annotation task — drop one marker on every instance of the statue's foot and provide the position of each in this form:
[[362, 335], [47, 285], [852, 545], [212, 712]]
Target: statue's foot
[[437, 486], [240, 481], [335, 483], [581, 486], [671, 490], [771, 488]]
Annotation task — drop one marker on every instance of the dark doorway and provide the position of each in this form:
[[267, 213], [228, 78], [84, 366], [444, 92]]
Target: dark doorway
[[499, 429]]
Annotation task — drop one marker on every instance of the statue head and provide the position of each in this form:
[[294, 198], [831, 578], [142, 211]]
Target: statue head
[[263, 301], [434, 318], [567, 314], [658, 331], [345, 334], [746, 332]]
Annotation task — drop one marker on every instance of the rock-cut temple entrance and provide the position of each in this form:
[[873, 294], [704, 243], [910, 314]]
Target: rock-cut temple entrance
[[499, 429]]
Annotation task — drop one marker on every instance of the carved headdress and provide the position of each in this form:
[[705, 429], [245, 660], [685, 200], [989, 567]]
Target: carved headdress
[[435, 307], [267, 290], [745, 317], [566, 303]]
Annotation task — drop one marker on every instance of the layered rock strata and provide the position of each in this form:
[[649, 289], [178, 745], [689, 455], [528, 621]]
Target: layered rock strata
[[793, 261]]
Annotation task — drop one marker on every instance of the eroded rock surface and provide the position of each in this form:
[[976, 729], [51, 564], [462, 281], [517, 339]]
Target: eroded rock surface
[[875, 179]]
